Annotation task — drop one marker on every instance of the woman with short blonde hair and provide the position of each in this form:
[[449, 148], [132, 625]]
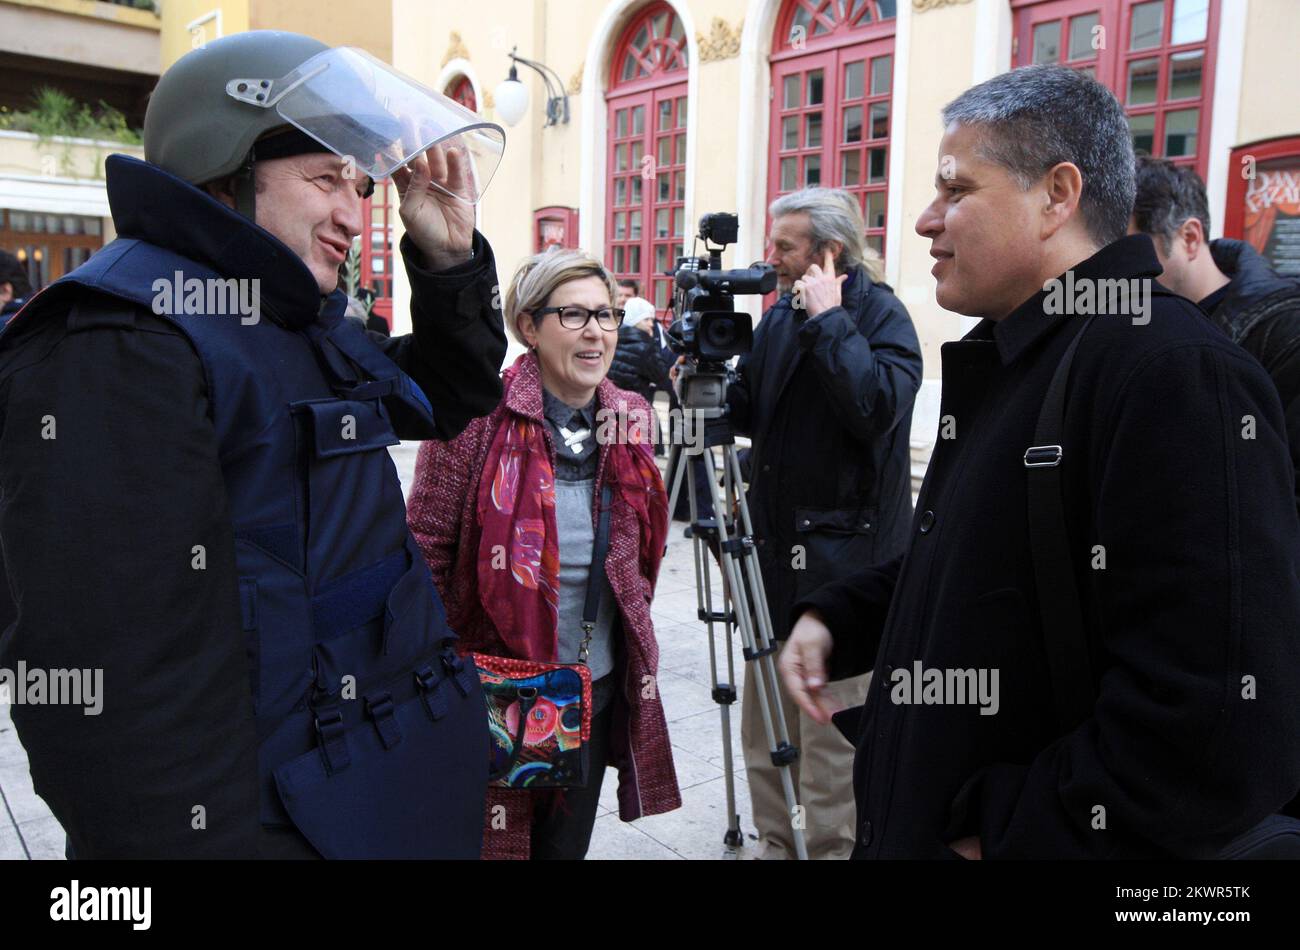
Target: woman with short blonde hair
[[538, 277], [505, 515]]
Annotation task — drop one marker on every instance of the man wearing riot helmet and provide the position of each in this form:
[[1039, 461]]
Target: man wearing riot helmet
[[196, 494]]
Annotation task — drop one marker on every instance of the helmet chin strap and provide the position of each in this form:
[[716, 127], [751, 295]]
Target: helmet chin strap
[[246, 190]]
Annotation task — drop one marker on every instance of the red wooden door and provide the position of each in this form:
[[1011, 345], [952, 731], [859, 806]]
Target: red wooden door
[[1070, 32], [1157, 56], [646, 157], [832, 86], [377, 248], [1164, 76]]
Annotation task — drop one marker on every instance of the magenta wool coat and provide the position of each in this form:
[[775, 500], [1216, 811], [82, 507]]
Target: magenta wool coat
[[442, 514]]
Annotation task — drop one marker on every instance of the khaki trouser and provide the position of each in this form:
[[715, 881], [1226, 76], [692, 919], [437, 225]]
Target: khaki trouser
[[822, 775]]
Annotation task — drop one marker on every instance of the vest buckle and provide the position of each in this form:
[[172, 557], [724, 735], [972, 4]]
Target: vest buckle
[[380, 709], [461, 674], [430, 693], [333, 739]]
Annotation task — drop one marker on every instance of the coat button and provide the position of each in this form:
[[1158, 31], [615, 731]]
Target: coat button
[[927, 521], [767, 468], [805, 523], [864, 838]]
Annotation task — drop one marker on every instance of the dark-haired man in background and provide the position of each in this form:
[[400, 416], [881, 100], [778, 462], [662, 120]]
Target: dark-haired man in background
[[1232, 283], [627, 289]]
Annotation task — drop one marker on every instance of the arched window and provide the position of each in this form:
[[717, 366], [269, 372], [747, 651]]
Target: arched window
[[832, 86], [462, 90], [646, 160], [1156, 55]]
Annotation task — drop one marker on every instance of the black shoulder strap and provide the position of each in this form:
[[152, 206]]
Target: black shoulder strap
[[93, 313], [1059, 607], [596, 576]]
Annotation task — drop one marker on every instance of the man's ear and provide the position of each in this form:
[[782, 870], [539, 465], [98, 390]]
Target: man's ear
[[1063, 186], [223, 189], [1191, 234]]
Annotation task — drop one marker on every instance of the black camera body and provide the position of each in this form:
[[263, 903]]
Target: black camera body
[[707, 327]]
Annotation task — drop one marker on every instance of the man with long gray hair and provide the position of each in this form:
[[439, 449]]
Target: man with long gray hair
[[826, 394], [1091, 648]]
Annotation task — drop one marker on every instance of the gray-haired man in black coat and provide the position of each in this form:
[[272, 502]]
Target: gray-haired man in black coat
[[1179, 522], [826, 395]]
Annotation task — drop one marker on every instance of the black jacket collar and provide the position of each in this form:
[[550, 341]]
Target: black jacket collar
[[153, 205], [1252, 280], [1127, 258]]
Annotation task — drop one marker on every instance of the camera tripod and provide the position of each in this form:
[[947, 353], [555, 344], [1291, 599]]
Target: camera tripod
[[744, 601]]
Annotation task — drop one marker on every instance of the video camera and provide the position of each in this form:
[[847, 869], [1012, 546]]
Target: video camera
[[707, 327]]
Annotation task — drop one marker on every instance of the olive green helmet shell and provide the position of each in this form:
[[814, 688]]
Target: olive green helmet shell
[[193, 128]]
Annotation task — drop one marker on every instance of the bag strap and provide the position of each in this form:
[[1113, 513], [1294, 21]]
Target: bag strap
[[1059, 607], [596, 576], [526, 697]]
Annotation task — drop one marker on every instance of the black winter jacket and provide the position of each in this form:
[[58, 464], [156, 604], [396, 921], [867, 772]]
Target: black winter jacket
[[828, 403], [1261, 311], [637, 366], [1185, 545]]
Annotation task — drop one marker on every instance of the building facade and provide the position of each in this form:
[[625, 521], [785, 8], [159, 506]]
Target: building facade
[[681, 107], [53, 207]]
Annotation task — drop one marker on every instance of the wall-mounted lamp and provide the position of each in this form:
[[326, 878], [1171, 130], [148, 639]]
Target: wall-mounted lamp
[[511, 95]]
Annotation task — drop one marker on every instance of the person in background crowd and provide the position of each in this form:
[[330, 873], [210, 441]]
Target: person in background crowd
[[626, 290], [826, 395], [15, 287], [1180, 534], [1228, 279], [537, 462], [637, 366]]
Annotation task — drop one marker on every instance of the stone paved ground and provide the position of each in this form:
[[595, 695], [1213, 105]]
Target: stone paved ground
[[28, 831]]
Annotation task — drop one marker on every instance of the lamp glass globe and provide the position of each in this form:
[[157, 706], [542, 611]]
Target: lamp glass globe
[[511, 97]]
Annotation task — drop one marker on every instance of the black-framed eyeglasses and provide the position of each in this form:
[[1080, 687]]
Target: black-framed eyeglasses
[[575, 317]]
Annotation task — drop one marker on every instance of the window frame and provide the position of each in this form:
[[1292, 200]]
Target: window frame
[[1112, 67]]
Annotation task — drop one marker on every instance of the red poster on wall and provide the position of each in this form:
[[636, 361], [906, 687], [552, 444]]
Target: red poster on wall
[[1264, 201]]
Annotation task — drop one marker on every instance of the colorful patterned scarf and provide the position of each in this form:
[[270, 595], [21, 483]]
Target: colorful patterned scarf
[[518, 549]]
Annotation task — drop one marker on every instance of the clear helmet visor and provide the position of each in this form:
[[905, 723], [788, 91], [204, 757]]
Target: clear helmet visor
[[362, 109]]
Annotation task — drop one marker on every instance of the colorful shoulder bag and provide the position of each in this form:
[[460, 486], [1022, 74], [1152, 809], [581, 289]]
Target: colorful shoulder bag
[[539, 714]]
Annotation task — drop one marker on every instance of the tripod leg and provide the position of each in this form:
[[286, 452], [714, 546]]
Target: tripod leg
[[675, 459], [757, 649], [724, 693]]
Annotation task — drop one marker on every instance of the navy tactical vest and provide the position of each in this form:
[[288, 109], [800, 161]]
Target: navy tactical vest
[[372, 732]]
